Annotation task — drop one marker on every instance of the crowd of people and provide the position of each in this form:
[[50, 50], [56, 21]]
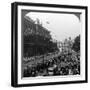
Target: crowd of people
[[63, 64]]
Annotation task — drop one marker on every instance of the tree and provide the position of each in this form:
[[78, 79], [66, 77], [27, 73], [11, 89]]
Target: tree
[[76, 44]]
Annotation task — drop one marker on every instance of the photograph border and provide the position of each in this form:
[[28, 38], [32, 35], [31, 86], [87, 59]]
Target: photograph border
[[14, 42]]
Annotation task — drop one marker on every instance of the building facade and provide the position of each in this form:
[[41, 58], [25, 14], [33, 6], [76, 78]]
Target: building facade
[[36, 38]]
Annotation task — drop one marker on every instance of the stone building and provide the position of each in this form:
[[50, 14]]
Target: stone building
[[36, 38]]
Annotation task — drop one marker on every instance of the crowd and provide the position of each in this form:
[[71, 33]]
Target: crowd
[[64, 64]]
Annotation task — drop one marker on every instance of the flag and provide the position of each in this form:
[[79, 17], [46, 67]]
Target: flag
[[47, 22]]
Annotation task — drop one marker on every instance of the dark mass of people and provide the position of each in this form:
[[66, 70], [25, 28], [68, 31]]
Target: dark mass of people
[[63, 64]]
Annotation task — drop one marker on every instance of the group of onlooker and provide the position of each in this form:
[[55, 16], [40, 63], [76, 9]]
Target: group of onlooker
[[65, 64]]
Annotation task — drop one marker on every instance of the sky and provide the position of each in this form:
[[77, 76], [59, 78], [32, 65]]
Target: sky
[[60, 25]]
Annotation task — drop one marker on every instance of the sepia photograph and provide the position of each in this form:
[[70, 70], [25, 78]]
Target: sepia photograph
[[49, 44]]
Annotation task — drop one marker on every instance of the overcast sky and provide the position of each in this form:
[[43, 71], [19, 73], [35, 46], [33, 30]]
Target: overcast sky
[[60, 25]]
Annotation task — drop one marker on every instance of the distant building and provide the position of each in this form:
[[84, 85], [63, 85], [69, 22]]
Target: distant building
[[59, 45], [65, 46]]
